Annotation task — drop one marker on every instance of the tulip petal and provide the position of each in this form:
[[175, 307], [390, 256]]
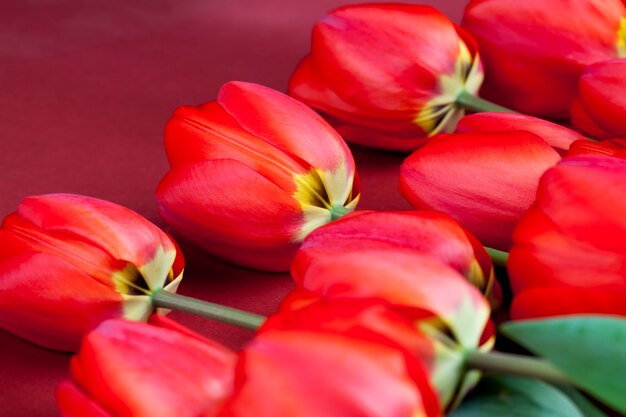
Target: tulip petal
[[349, 45], [371, 379], [369, 318], [583, 121], [307, 85], [48, 301], [558, 301], [544, 256], [412, 282], [287, 124], [232, 211], [20, 237], [196, 134], [73, 402], [131, 367], [557, 136], [427, 232], [576, 180], [112, 228], [485, 181], [612, 147], [602, 95]]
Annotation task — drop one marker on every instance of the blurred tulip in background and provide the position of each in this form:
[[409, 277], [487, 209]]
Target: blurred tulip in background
[[568, 252], [600, 109], [535, 51]]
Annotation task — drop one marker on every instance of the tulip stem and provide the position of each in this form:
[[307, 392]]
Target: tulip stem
[[498, 257], [519, 365], [477, 104], [338, 211], [165, 299]]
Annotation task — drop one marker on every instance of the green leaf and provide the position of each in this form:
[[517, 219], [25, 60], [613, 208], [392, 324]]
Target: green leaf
[[584, 405], [591, 350], [516, 397]]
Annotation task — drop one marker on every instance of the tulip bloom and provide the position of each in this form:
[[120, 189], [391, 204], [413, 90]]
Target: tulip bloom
[[425, 232], [573, 238], [601, 106], [335, 360], [433, 296], [484, 180], [534, 53], [252, 174], [127, 368], [68, 262], [388, 75]]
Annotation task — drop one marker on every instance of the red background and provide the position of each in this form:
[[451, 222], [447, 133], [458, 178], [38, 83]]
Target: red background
[[86, 88]]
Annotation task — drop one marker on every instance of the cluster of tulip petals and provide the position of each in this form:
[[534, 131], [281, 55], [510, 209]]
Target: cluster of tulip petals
[[388, 306]]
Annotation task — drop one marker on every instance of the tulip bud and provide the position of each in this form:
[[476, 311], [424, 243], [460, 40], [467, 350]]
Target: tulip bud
[[252, 174], [425, 232], [534, 54], [68, 262], [335, 359], [388, 75], [160, 370], [573, 238], [601, 106], [485, 181]]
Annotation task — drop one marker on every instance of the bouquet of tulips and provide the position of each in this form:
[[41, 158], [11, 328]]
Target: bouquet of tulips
[[502, 293]]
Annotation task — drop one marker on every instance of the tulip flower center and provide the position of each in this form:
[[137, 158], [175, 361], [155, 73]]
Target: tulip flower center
[[130, 281], [324, 196], [441, 113], [621, 39]]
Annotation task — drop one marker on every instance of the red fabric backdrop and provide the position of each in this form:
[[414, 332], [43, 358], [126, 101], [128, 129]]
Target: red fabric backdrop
[[86, 88]]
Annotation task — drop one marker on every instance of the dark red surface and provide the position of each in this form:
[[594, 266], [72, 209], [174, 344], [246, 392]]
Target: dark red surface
[[86, 88]]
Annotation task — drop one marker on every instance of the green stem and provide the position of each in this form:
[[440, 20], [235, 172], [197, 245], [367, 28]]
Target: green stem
[[498, 257], [337, 211], [510, 364], [504, 363], [477, 104], [164, 299]]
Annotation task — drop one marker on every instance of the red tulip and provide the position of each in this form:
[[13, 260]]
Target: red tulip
[[601, 106], [485, 181], [334, 360], [573, 238], [388, 75], [557, 136], [535, 51], [135, 369], [68, 262], [426, 232], [416, 285], [252, 174]]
